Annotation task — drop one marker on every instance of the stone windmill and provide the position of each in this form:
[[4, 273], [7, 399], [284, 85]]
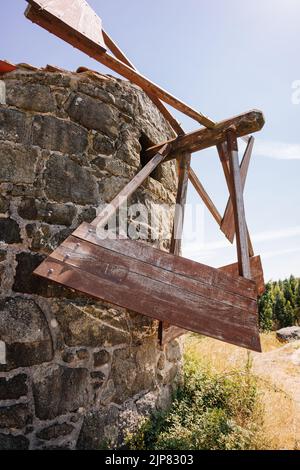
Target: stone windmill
[[181, 294]]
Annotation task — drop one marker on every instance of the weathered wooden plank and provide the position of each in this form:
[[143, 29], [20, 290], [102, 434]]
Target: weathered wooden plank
[[169, 262], [53, 24], [238, 206], [227, 225], [103, 279], [246, 123], [205, 197], [86, 252], [130, 188], [257, 273], [224, 158], [75, 17]]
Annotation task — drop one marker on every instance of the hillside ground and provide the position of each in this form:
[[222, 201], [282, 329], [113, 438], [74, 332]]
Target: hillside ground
[[278, 374]]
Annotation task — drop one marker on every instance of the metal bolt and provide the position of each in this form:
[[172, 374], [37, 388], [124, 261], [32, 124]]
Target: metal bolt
[[51, 271], [67, 256], [77, 245]]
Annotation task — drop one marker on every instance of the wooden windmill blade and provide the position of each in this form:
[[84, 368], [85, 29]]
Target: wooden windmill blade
[[71, 20]]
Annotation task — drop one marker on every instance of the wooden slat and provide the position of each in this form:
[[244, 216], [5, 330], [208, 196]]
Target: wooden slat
[[84, 44], [257, 274], [246, 123], [169, 262], [130, 188], [76, 17], [87, 253], [111, 275], [205, 197], [227, 225], [238, 206]]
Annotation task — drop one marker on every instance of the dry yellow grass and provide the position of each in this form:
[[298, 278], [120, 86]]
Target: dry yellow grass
[[281, 412]]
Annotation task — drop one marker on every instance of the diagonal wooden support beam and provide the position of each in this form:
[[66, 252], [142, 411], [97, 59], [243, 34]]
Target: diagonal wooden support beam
[[129, 189], [227, 225], [44, 15], [205, 197], [238, 206], [224, 157]]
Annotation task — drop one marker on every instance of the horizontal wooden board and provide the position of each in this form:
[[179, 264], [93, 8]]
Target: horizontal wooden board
[[169, 262], [152, 290]]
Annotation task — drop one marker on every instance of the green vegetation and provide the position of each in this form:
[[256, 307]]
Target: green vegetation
[[279, 306], [209, 411]]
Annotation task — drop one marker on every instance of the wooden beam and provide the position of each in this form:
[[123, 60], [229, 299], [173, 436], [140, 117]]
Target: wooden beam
[[184, 163], [227, 225], [75, 18], [238, 205], [129, 189], [205, 197], [246, 123], [94, 50], [224, 157]]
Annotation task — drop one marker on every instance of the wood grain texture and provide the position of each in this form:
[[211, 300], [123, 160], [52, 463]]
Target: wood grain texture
[[238, 206], [224, 158], [227, 225], [246, 123], [257, 273], [108, 270], [75, 16]]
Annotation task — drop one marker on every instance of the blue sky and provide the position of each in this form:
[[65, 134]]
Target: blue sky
[[223, 57]]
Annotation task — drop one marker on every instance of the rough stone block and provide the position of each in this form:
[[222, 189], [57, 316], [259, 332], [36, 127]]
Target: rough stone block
[[15, 417], [67, 181], [14, 388], [138, 370], [100, 116], [55, 431], [4, 204], [81, 328], [58, 390], [55, 134], [97, 429], [2, 92], [10, 442], [25, 282], [13, 126], [56, 214], [101, 357], [103, 145], [26, 333], [9, 231], [17, 163], [33, 97]]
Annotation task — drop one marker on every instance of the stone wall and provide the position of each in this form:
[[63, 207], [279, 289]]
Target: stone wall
[[77, 373]]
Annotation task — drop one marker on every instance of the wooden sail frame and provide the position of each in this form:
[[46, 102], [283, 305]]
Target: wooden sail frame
[[223, 135]]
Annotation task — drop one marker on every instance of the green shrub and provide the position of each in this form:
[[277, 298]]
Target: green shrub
[[210, 412]]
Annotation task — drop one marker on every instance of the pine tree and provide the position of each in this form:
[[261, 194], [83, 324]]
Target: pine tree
[[279, 309]]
